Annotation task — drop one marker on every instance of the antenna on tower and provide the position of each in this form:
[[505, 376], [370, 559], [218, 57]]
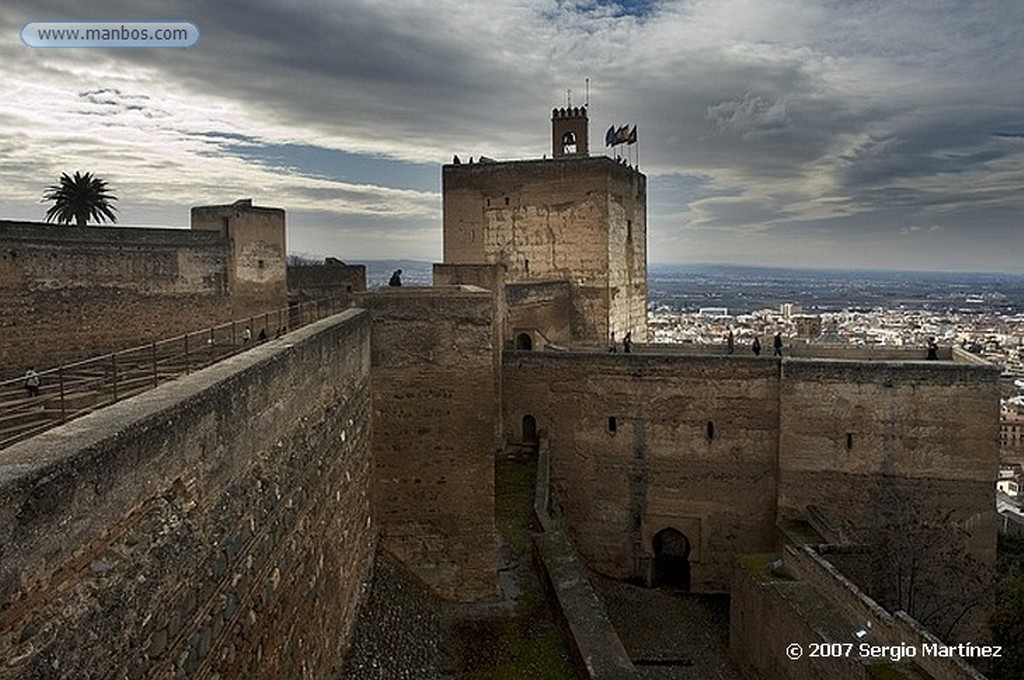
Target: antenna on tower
[[587, 104], [568, 97]]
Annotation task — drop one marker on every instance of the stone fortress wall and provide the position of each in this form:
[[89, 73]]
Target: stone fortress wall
[[722, 447], [436, 401], [389, 419], [856, 435], [218, 525], [69, 293]]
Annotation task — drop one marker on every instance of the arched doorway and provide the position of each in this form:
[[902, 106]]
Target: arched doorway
[[671, 559], [529, 429], [524, 341]]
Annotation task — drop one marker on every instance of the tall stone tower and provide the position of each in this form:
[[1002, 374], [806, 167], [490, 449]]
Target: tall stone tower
[[574, 219], [570, 132]]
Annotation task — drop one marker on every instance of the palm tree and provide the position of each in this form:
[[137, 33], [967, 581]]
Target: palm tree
[[80, 198]]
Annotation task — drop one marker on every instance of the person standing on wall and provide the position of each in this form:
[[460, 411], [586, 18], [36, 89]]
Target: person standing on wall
[[32, 382], [730, 342], [396, 279], [756, 347], [777, 344]]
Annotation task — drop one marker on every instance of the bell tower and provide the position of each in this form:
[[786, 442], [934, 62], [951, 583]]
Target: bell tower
[[569, 132]]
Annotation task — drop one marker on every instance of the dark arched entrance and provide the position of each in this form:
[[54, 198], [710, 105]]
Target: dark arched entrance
[[671, 559], [529, 430], [524, 341]]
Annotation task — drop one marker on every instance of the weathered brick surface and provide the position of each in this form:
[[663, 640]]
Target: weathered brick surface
[[70, 293], [331, 279], [581, 220], [436, 410], [257, 264], [658, 468], [849, 430], [717, 446], [216, 525], [543, 309]]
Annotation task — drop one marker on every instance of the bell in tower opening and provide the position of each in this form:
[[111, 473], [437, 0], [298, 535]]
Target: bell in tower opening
[[569, 127]]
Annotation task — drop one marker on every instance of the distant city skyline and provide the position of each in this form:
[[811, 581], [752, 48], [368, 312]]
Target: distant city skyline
[[812, 133]]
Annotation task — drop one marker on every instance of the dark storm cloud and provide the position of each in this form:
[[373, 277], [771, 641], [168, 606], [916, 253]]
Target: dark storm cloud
[[843, 119]]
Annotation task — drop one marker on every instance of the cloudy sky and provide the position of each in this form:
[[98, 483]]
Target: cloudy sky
[[850, 133]]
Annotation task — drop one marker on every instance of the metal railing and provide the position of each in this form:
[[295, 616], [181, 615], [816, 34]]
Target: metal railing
[[75, 389]]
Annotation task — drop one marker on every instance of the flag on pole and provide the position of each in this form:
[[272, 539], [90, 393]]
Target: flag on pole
[[609, 137], [631, 137]]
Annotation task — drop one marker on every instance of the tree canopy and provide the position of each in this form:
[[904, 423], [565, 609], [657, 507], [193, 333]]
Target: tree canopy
[[80, 198]]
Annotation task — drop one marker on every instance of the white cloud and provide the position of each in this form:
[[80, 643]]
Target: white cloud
[[867, 115]]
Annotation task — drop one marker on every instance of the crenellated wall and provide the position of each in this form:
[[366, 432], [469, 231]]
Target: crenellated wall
[[217, 525]]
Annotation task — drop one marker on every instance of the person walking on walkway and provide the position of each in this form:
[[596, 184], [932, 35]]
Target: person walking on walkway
[[777, 344]]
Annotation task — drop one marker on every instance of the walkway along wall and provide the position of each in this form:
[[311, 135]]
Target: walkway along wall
[[220, 524]]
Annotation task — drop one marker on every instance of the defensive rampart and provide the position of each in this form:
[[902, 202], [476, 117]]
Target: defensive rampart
[[218, 525], [436, 411], [644, 443], [69, 293], [856, 437], [717, 447]]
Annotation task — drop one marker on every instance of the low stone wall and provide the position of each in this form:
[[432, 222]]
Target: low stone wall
[[809, 603], [594, 642], [769, 612], [886, 629], [218, 525]]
